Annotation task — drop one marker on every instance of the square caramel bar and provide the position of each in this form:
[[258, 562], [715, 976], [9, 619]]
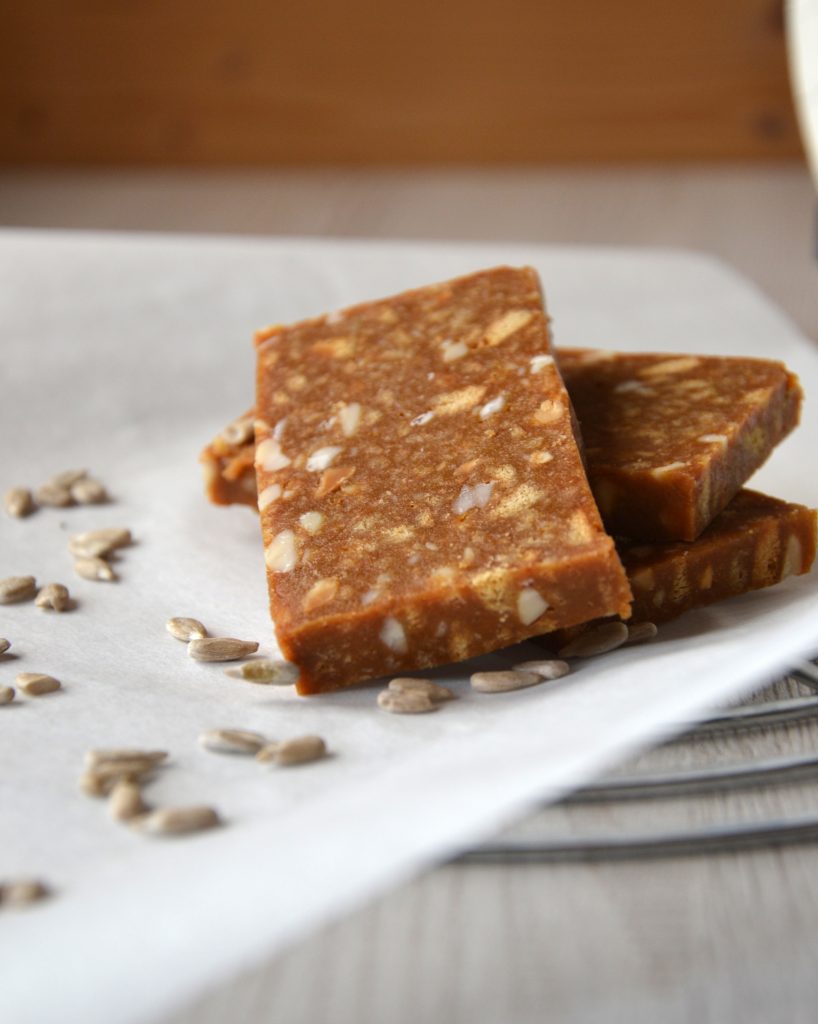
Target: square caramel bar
[[422, 496], [669, 440]]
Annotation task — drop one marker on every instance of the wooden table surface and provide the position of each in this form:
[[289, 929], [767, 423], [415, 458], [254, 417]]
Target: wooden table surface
[[721, 938]]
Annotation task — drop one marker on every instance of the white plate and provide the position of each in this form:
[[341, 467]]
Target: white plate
[[126, 354]]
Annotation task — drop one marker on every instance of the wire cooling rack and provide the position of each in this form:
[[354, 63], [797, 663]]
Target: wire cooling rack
[[716, 838]]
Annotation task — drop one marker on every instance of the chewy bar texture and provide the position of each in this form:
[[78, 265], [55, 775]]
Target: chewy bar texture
[[755, 542], [421, 492], [228, 462], [669, 440]]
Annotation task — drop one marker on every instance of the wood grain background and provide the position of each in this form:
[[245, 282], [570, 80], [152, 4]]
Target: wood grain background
[[256, 82]]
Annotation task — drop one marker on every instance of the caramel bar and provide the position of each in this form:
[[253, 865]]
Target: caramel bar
[[669, 440], [421, 492], [753, 543]]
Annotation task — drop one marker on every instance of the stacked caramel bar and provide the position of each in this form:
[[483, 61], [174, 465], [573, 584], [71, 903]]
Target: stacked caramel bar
[[423, 496]]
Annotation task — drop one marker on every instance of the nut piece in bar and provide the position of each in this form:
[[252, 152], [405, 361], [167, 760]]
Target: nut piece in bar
[[669, 440], [421, 492]]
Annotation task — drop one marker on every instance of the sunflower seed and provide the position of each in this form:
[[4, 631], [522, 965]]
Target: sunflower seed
[[99, 543], [300, 750], [220, 648], [186, 629], [170, 821], [4, 645], [433, 691], [406, 702], [266, 672], [101, 779], [53, 596], [68, 477], [18, 502], [238, 432], [599, 640], [547, 669], [35, 684], [6, 694], [95, 758], [640, 632], [94, 569], [88, 492], [54, 495], [21, 891], [17, 588], [125, 801], [503, 682], [232, 741]]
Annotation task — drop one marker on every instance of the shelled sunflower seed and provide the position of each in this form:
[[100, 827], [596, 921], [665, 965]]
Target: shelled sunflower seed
[[54, 496], [640, 633], [547, 668], [53, 597], [233, 741], [266, 672], [99, 543], [299, 750], [174, 821], [4, 645], [36, 684], [125, 801], [88, 492], [100, 779], [96, 569], [118, 755], [18, 502], [20, 892], [607, 636], [68, 477], [17, 588], [504, 681], [186, 629], [434, 691], [220, 648], [6, 694], [408, 702]]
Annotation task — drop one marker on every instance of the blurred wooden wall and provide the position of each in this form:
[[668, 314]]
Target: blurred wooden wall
[[384, 82]]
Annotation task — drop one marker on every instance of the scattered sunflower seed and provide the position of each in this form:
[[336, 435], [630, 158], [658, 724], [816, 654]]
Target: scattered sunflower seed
[[21, 891], [233, 741], [6, 694], [503, 682], [68, 477], [220, 648], [406, 702], [94, 568], [99, 543], [17, 588], [266, 671], [4, 645], [186, 629], [599, 640], [53, 596], [88, 492], [300, 750], [548, 669], [433, 691], [35, 684], [171, 821], [101, 779], [95, 758], [640, 632], [18, 502], [125, 801], [54, 495]]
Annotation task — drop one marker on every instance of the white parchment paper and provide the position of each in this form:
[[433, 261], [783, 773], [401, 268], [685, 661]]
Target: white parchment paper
[[125, 354]]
